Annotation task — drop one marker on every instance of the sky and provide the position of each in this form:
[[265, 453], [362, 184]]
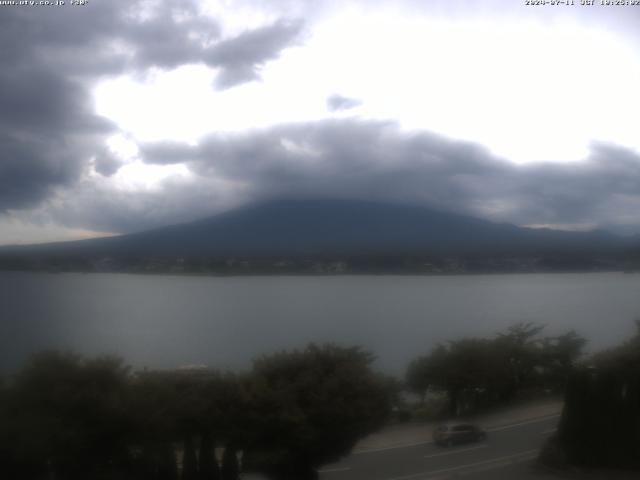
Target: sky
[[119, 116]]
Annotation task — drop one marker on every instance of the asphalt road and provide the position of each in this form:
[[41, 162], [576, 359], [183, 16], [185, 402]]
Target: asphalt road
[[507, 453]]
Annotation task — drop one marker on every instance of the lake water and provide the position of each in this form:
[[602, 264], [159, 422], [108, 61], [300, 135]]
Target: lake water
[[167, 321]]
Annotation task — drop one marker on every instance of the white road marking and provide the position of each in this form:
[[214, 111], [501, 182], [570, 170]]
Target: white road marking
[[392, 447], [528, 422], [333, 470], [459, 450], [499, 461]]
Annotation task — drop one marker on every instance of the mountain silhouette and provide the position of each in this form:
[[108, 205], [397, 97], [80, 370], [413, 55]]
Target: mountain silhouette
[[308, 227]]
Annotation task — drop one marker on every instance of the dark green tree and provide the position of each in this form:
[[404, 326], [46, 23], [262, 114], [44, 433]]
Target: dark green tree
[[71, 415], [481, 372], [224, 413], [521, 351], [559, 356], [419, 377], [207, 464], [189, 460], [166, 466], [153, 409], [230, 469], [600, 423], [311, 406]]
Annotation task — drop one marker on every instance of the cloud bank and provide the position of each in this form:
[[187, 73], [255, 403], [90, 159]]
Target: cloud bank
[[55, 163], [351, 158]]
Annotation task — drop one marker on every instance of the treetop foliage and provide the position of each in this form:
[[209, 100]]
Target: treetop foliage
[[74, 417], [477, 372]]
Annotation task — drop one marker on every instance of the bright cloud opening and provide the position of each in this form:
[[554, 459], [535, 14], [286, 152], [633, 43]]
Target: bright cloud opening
[[529, 92]]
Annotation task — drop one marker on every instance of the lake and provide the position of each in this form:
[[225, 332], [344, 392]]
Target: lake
[[167, 321]]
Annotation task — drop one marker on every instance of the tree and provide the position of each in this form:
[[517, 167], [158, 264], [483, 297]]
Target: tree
[[189, 460], [230, 469], [166, 467], [520, 348], [625, 357], [309, 407], [559, 357], [17, 458], [419, 377], [478, 372], [467, 369], [153, 408], [224, 414], [69, 414], [600, 423], [207, 464]]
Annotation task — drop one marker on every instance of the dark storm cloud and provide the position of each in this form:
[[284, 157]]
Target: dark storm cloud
[[359, 159], [107, 37], [38, 100], [26, 172], [338, 102], [51, 57], [49, 129], [240, 58], [111, 37], [583, 192], [165, 153], [349, 158], [46, 127], [106, 163]]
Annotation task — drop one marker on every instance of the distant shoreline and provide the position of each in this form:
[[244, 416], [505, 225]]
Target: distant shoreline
[[319, 275]]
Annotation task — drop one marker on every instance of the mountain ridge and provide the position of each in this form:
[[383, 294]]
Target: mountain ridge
[[324, 227]]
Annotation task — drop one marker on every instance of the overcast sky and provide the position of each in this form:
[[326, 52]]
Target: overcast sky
[[122, 115]]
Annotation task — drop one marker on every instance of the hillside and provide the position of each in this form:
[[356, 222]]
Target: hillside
[[333, 227]]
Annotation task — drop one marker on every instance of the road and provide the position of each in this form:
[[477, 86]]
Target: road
[[508, 452]]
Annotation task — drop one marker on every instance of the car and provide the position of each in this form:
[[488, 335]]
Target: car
[[454, 434]]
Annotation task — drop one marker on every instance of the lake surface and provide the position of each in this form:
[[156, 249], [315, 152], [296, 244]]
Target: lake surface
[[168, 321]]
